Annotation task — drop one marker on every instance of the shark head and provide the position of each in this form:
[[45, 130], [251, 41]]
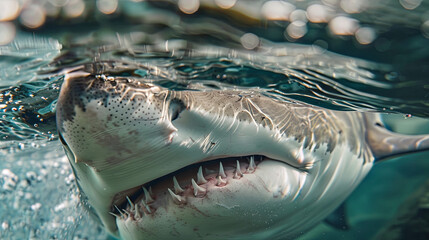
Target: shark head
[[155, 164]]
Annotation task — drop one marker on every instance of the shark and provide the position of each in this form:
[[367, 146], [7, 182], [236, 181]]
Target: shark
[[155, 163]]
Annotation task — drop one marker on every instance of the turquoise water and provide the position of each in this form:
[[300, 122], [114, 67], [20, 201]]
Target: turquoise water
[[354, 55]]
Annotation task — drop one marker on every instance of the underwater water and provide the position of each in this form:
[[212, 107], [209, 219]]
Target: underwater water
[[345, 55]]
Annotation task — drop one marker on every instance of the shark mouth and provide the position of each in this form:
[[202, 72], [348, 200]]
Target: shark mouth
[[193, 181]]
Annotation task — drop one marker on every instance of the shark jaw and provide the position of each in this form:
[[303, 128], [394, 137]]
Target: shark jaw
[[211, 201], [154, 164]]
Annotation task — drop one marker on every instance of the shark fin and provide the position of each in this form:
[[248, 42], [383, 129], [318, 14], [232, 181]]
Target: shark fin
[[385, 144], [338, 218]]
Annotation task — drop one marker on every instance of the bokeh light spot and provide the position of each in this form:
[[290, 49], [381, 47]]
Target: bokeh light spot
[[9, 10], [74, 8], [59, 3], [298, 15], [189, 6], [107, 6], [33, 16], [410, 4], [225, 4], [352, 6], [343, 25], [277, 10], [365, 35], [317, 13], [8, 32], [249, 41], [52, 10], [296, 29]]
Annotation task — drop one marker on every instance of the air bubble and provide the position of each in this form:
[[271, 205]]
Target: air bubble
[[36, 206]]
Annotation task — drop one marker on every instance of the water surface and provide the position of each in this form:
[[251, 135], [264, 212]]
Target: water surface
[[344, 55]]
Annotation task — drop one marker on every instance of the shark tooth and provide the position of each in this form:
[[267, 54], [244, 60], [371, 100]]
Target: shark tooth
[[147, 197], [128, 213], [115, 215], [220, 181], [238, 174], [252, 164], [221, 171], [130, 202], [197, 189], [200, 176], [174, 196], [177, 188], [120, 212], [137, 212], [146, 206]]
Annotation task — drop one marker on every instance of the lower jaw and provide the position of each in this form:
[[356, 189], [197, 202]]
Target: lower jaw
[[221, 202]]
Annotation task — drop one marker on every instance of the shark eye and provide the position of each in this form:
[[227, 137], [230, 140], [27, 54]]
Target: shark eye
[[175, 108]]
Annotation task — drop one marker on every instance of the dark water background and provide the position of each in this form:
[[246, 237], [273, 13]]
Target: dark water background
[[338, 54]]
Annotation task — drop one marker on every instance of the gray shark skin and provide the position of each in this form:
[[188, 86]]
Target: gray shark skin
[[152, 163]]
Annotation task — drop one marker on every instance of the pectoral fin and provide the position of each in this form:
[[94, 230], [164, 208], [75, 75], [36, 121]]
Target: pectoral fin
[[385, 144], [338, 218]]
